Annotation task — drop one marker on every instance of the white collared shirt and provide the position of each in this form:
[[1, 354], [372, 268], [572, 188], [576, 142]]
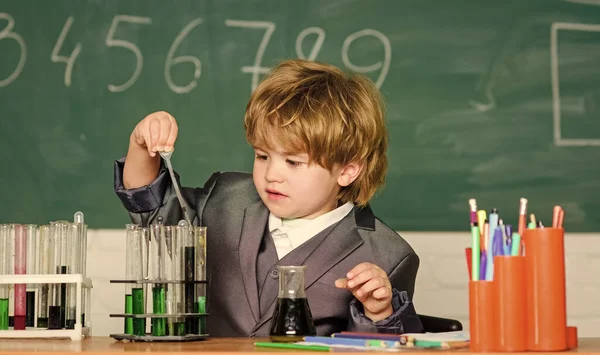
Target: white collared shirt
[[288, 234]]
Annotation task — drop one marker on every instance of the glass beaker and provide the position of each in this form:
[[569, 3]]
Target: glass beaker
[[292, 319]]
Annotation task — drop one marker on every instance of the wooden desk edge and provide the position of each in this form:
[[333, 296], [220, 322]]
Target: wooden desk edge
[[221, 346]]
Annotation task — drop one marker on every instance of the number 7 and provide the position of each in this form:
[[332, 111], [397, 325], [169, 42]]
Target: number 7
[[256, 70], [112, 42]]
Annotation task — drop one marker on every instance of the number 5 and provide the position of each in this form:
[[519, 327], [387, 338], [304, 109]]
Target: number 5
[[112, 42]]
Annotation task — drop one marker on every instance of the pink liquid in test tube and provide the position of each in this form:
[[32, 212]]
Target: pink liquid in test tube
[[20, 269]]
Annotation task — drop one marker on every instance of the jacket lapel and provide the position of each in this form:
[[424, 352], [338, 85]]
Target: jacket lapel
[[253, 227], [341, 242]]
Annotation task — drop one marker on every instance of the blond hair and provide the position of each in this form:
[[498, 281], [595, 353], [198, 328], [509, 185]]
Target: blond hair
[[337, 119]]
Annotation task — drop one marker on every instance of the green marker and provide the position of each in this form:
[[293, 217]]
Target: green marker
[[291, 346], [516, 243], [475, 253]]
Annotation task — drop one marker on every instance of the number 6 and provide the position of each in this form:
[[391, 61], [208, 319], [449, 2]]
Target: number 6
[[186, 58]]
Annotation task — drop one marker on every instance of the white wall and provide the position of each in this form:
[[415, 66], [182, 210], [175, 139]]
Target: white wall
[[442, 282]]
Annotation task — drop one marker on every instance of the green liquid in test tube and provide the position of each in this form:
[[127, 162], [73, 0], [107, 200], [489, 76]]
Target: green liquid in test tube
[[3, 312], [158, 307], [201, 308], [139, 324]]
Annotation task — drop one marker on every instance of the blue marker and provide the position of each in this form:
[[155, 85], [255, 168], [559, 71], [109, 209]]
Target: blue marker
[[498, 243], [375, 343], [483, 265], [509, 236], [506, 250], [489, 270]]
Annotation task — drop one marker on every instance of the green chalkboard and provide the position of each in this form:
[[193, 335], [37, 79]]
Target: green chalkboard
[[492, 99]]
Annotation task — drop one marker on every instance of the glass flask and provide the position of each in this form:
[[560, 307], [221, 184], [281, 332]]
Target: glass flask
[[292, 319]]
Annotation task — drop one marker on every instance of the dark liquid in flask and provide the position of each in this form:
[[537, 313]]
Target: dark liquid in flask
[[292, 320]]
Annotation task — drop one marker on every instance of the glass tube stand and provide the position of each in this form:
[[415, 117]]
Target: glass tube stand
[[168, 264], [82, 286]]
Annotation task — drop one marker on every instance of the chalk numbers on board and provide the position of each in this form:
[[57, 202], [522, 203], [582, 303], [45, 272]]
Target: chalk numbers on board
[[7, 33], [56, 58], [183, 59], [111, 41], [68, 56]]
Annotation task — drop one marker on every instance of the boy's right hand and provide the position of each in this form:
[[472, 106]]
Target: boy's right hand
[[156, 132]]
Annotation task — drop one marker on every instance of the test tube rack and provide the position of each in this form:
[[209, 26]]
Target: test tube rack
[[84, 284], [162, 338]]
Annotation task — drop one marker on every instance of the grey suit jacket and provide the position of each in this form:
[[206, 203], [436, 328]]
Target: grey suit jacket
[[229, 206]]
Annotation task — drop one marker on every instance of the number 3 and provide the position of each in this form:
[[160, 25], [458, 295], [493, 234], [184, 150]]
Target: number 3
[[7, 33]]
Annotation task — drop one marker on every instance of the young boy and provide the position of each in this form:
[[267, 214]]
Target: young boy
[[320, 143]]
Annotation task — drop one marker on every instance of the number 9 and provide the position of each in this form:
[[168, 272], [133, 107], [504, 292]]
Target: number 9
[[385, 66]]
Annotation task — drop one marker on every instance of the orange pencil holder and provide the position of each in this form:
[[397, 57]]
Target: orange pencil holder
[[511, 308], [572, 340], [482, 316], [545, 285]]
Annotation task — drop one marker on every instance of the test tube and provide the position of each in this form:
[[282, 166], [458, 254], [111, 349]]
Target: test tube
[[31, 230], [11, 270], [55, 290], [170, 240], [79, 219], [200, 238], [65, 240], [158, 290], [4, 267], [140, 307], [129, 251], [182, 231], [136, 273], [73, 263], [20, 269], [44, 252], [189, 274]]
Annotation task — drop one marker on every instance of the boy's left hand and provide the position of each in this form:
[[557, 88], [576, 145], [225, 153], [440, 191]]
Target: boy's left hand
[[370, 285]]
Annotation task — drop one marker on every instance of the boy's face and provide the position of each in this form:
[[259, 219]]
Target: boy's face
[[290, 187]]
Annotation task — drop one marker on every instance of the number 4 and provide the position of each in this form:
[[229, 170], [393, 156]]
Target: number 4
[[67, 60]]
